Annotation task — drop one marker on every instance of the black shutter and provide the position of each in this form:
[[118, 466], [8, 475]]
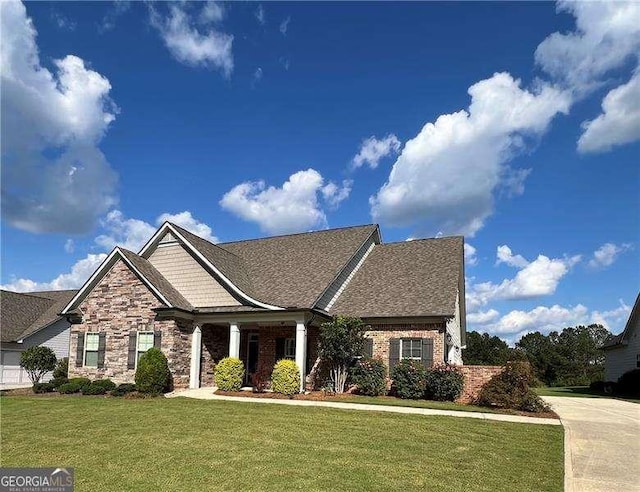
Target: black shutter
[[133, 341], [279, 348], [102, 345], [427, 352], [157, 338], [80, 350], [394, 352], [368, 348]]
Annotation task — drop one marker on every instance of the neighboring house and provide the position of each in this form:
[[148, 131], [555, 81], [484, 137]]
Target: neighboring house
[[28, 320], [622, 352], [264, 299]]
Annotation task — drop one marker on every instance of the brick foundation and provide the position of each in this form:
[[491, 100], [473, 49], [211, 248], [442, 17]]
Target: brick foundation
[[474, 378]]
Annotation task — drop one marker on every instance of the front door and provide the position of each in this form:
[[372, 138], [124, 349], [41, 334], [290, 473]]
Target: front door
[[252, 356]]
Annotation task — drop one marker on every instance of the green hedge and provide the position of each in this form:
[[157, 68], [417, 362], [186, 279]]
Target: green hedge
[[285, 377], [370, 377], [409, 379], [444, 383], [229, 374]]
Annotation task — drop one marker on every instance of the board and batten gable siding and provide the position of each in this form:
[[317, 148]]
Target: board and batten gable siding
[[624, 358], [189, 277], [336, 288]]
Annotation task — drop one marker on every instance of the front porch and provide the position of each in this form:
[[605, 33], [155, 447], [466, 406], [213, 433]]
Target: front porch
[[259, 341]]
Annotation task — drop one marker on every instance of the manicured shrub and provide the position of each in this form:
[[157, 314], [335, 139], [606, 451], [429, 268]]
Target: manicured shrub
[[409, 379], [123, 389], [43, 388], [107, 384], [285, 377], [80, 381], [370, 377], [629, 383], [69, 388], [229, 374], [510, 389], [260, 378], [597, 386], [93, 389], [444, 383], [38, 361], [62, 369], [152, 374], [57, 382]]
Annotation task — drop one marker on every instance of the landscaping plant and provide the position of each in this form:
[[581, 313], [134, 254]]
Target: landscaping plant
[[260, 378], [629, 383], [38, 361], [444, 383], [285, 378], [229, 374], [43, 388], [409, 379], [62, 369], [123, 389], [341, 341], [370, 377], [94, 388], [152, 374]]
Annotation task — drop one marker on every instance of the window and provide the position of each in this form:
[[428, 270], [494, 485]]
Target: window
[[91, 343], [290, 348], [145, 342], [411, 348]]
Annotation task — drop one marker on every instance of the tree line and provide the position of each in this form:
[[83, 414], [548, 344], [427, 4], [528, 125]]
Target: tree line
[[571, 357]]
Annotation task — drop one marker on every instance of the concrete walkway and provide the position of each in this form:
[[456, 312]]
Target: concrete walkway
[[207, 394], [602, 443]]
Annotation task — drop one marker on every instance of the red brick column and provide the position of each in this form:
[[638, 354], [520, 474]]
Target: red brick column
[[474, 379]]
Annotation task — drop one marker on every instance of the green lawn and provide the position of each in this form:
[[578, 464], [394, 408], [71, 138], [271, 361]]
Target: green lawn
[[398, 402], [181, 444]]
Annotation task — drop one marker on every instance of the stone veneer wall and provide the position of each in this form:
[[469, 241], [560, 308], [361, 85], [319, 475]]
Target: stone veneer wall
[[474, 378], [121, 303], [382, 333]]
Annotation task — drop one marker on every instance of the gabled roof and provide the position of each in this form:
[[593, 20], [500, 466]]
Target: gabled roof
[[294, 270], [144, 270], [24, 314], [411, 278], [622, 338]]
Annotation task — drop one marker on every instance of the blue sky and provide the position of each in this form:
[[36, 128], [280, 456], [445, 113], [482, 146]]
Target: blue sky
[[515, 124]]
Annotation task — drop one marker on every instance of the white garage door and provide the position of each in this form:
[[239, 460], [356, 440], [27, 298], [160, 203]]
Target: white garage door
[[10, 370]]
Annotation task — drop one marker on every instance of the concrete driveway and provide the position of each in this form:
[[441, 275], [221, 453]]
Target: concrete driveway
[[602, 443]]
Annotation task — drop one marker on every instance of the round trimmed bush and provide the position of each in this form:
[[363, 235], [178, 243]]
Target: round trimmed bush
[[69, 388], [94, 389], [229, 374], [285, 377], [80, 382], [444, 383], [370, 377], [409, 379], [57, 382], [152, 374], [43, 388], [123, 389], [107, 384]]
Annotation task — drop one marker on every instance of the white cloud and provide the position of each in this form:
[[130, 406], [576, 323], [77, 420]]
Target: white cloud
[[63, 22], [260, 16], [482, 317], [294, 207], [69, 246], [118, 8], [284, 25], [54, 176], [257, 76], [211, 12], [505, 255], [607, 35], [79, 273], [613, 319], [194, 45], [446, 176], [130, 234], [606, 254], [188, 222], [534, 279], [373, 150], [470, 257], [619, 122]]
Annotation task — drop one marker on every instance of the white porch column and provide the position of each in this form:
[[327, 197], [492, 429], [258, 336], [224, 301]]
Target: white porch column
[[301, 351], [196, 352], [234, 340]]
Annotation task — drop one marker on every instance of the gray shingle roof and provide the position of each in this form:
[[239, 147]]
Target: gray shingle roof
[[412, 278], [619, 340], [157, 279], [293, 270], [26, 313]]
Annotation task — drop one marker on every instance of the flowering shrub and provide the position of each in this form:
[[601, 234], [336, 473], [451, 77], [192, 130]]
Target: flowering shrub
[[444, 383], [370, 376], [409, 379]]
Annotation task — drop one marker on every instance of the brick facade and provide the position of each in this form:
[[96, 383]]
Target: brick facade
[[382, 333], [121, 303], [474, 378]]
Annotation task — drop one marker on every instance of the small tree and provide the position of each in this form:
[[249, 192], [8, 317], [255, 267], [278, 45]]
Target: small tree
[[341, 341], [38, 361]]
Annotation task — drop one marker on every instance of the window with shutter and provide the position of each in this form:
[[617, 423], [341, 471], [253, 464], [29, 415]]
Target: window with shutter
[[411, 348], [145, 342], [80, 350], [91, 343], [394, 352], [368, 348]]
